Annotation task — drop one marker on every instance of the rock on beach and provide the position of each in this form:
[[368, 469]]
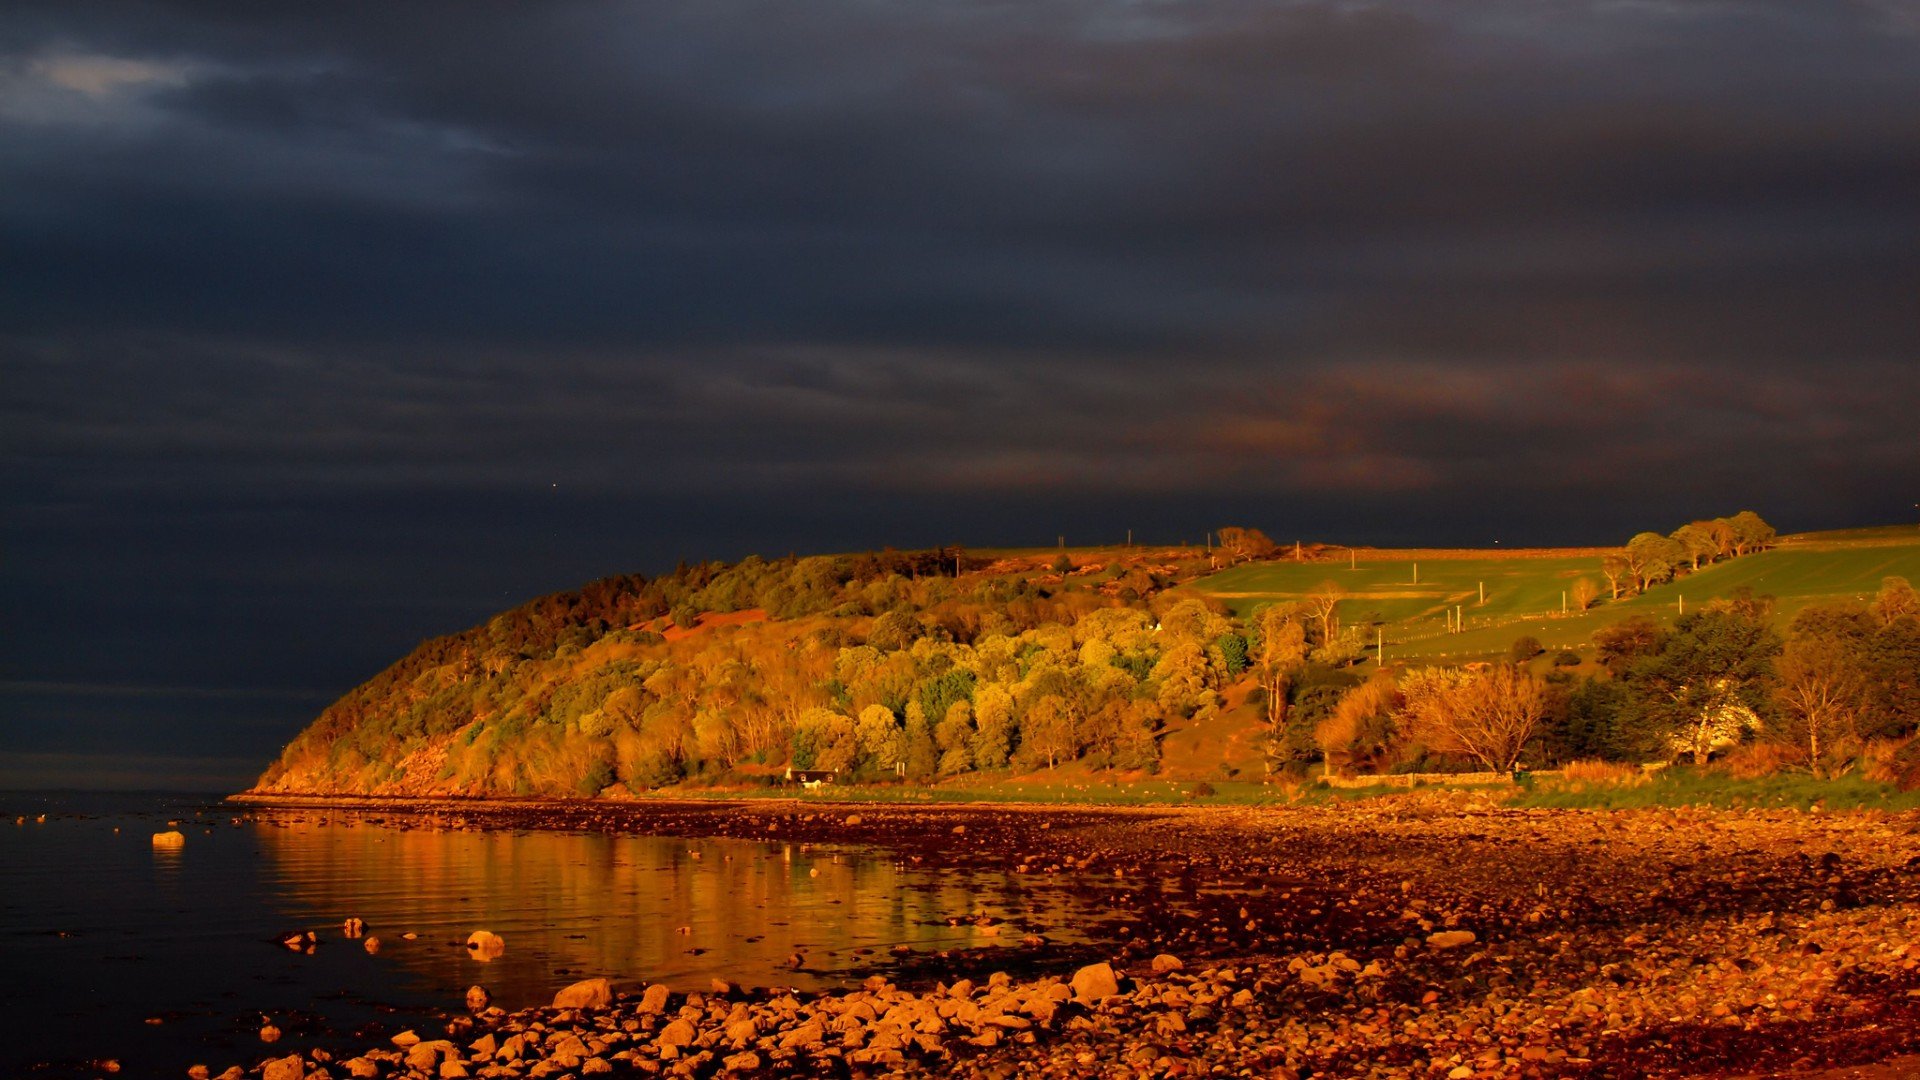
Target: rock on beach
[[585, 994], [1095, 982], [1318, 942]]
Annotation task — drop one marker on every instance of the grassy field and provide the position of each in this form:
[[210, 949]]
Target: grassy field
[[1675, 787], [1523, 593], [1686, 787]]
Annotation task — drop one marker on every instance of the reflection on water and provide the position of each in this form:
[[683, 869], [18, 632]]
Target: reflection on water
[[636, 908], [163, 958]]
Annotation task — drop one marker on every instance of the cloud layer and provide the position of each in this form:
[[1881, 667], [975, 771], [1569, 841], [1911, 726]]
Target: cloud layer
[[325, 329]]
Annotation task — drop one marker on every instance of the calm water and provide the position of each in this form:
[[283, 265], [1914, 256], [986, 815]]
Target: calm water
[[113, 949]]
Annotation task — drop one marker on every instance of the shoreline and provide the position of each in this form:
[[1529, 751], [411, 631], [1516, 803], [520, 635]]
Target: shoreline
[[1418, 937]]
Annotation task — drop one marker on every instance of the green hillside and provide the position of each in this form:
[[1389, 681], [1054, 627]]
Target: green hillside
[[1524, 590], [962, 668]]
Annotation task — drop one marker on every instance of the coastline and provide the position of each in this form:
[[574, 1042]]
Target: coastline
[[1421, 937]]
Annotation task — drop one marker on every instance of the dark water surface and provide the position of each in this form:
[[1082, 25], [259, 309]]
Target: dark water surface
[[112, 948]]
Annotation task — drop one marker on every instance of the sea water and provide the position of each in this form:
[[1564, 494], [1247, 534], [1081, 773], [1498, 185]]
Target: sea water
[[113, 948]]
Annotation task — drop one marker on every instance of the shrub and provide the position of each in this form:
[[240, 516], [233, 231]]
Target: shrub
[[1592, 772], [652, 769], [1903, 766], [1878, 757], [1200, 790], [893, 631], [1525, 648], [1750, 761], [598, 777], [1566, 658], [1233, 652]]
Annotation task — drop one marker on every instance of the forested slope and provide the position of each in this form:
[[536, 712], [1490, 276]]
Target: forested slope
[[932, 665], [918, 664]]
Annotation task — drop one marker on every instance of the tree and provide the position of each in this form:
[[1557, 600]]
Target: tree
[[1047, 732], [1651, 559], [1245, 543], [1282, 650], [1322, 606], [1896, 600], [1821, 694], [953, 737], [824, 739], [1750, 532], [1488, 716], [1591, 723], [1135, 744], [880, 736], [1886, 656], [1583, 592], [922, 757], [1696, 541], [1193, 620], [1362, 732], [1616, 569], [1229, 650], [1721, 530], [1709, 682], [1616, 647], [1348, 646], [1182, 678], [993, 722], [893, 630], [1896, 679]]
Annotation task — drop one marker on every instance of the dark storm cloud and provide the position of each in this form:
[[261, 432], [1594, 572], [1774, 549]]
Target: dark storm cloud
[[324, 328]]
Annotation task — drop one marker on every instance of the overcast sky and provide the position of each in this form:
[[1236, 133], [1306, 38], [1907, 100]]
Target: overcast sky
[[326, 328]]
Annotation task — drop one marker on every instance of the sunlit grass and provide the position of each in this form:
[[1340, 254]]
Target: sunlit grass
[[1690, 787], [1523, 594], [1677, 787]]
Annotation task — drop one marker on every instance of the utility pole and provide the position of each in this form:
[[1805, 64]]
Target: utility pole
[[1683, 604], [1353, 559], [1380, 646], [1416, 573], [1129, 537], [1063, 543], [1563, 601], [1483, 592]]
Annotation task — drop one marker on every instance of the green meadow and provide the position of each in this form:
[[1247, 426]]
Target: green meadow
[[1412, 598]]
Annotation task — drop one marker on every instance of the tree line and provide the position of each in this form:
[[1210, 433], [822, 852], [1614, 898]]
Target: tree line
[[915, 665], [1838, 689], [1650, 559]]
